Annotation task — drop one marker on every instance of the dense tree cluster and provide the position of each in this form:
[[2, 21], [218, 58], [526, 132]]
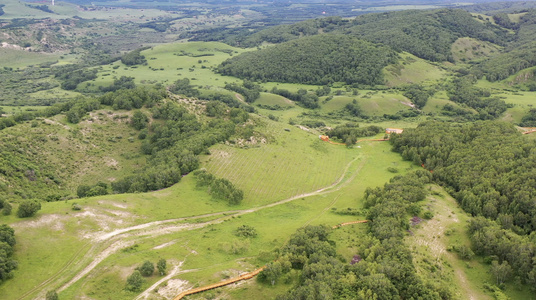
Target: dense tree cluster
[[7, 242], [123, 82], [304, 98], [70, 80], [28, 208], [133, 98], [418, 94], [134, 57], [314, 60], [349, 132], [183, 87], [384, 269], [488, 167], [98, 189], [174, 143], [219, 188], [502, 66], [462, 91], [248, 89], [427, 34], [529, 120]]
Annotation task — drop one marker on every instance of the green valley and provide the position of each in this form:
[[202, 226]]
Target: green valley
[[374, 150]]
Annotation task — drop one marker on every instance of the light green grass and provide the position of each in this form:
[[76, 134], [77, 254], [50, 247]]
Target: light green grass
[[272, 99], [436, 103], [373, 103], [468, 49], [164, 66], [21, 58], [291, 163], [412, 69]]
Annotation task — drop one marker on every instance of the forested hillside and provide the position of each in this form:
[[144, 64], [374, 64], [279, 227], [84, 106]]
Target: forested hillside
[[426, 34], [488, 167], [317, 60]]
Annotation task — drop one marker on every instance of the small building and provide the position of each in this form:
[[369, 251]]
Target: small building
[[393, 130], [325, 138]]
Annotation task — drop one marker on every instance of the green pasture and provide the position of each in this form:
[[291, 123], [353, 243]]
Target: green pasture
[[205, 251], [167, 63], [20, 58], [412, 69], [272, 99], [291, 163], [373, 103], [468, 49]]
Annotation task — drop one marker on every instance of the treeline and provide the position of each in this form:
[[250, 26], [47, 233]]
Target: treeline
[[382, 267], [427, 34], [304, 98], [529, 120], [418, 94], [518, 55], [488, 167], [318, 60], [250, 90], [350, 132], [219, 188], [462, 91], [73, 75], [7, 242], [134, 57], [174, 143]]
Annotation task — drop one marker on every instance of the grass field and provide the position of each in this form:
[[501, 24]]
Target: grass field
[[291, 163], [167, 63], [20, 58], [373, 103], [267, 173], [272, 99], [412, 69]]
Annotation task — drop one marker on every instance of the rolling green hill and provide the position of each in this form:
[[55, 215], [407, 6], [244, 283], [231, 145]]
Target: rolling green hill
[[142, 147], [323, 59]]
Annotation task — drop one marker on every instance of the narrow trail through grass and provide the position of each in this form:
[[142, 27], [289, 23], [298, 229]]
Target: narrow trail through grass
[[109, 243]]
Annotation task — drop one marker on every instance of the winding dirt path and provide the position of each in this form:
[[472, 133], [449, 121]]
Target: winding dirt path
[[109, 243]]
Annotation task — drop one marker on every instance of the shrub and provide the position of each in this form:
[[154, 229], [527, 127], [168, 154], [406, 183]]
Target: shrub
[[28, 208], [146, 269]]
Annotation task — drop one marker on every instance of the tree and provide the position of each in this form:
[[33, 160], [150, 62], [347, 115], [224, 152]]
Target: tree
[[134, 281], [146, 269], [28, 208], [272, 271], [501, 272], [6, 211], [162, 266], [139, 120], [52, 295]]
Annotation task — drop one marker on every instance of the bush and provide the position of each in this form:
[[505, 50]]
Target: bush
[[146, 269], [134, 282], [246, 231], [52, 295], [28, 208], [6, 211]]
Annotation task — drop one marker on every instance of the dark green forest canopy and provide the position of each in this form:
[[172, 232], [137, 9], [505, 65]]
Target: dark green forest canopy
[[426, 34], [384, 269], [320, 59], [489, 168]]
